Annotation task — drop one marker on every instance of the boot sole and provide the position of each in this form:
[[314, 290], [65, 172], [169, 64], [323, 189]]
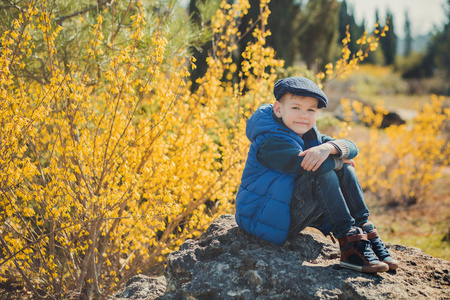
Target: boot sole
[[366, 269], [392, 266]]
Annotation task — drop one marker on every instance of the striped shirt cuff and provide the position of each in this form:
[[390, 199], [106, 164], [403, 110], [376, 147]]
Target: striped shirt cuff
[[342, 147], [338, 163]]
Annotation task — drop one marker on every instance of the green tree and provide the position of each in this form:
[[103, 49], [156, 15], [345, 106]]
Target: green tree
[[441, 43], [302, 32], [389, 43], [318, 32], [200, 13], [436, 57], [408, 37], [347, 18], [283, 23]]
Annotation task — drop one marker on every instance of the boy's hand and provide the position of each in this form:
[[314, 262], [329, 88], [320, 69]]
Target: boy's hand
[[315, 156], [350, 162]]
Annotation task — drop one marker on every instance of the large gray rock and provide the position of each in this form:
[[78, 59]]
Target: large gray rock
[[227, 263]]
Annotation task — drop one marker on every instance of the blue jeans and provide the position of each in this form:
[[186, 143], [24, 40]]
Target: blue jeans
[[335, 197]]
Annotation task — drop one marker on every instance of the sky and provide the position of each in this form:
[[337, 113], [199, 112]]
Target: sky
[[423, 14]]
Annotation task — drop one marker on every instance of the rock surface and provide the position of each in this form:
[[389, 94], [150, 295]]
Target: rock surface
[[227, 263]]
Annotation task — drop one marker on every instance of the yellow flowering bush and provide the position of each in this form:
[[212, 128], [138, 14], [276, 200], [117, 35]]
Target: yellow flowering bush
[[349, 61], [398, 165], [108, 162]]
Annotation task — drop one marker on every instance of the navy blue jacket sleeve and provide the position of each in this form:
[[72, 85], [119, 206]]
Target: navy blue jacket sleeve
[[278, 154]]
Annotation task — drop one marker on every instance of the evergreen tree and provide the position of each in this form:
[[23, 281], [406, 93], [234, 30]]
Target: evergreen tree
[[318, 32], [344, 20], [376, 57], [437, 56], [389, 42], [347, 18], [283, 24], [408, 37], [308, 34], [245, 30], [200, 50], [442, 42]]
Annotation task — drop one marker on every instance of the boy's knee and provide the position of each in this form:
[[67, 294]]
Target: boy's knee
[[347, 173], [348, 170], [327, 177], [348, 167]]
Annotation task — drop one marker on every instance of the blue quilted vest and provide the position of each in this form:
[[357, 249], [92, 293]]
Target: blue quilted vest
[[264, 196]]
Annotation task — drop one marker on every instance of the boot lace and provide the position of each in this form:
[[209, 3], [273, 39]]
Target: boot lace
[[379, 248], [364, 248]]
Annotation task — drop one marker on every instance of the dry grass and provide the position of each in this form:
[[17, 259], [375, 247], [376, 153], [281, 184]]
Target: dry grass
[[424, 225]]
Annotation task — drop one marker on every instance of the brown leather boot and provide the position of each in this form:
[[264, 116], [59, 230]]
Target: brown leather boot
[[356, 253], [378, 246]]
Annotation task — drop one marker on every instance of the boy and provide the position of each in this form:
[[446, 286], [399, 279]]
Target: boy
[[296, 177]]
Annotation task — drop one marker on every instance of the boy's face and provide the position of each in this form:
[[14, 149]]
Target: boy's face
[[298, 113]]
